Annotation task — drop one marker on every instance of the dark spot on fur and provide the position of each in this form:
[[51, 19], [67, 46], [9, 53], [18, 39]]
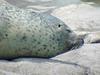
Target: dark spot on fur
[[48, 50], [53, 38], [39, 49], [6, 35], [39, 30], [45, 46], [24, 38], [54, 48], [35, 40], [39, 42], [36, 53], [58, 39], [2, 14]]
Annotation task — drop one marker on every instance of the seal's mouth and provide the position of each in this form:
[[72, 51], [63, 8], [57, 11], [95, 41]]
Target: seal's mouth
[[77, 44]]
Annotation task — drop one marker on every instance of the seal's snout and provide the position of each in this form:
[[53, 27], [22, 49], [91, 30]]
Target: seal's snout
[[78, 43], [81, 41]]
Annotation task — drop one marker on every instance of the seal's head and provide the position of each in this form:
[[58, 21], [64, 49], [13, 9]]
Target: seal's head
[[62, 38]]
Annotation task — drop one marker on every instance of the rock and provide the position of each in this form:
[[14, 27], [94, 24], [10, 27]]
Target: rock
[[7, 73], [92, 37], [42, 67]]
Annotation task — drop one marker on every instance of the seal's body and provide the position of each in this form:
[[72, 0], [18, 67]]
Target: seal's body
[[28, 34]]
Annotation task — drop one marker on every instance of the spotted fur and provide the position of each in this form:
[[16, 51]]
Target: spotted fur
[[28, 34]]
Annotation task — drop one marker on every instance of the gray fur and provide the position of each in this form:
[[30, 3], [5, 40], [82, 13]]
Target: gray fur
[[24, 34]]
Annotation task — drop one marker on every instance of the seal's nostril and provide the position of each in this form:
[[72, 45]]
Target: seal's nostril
[[81, 40]]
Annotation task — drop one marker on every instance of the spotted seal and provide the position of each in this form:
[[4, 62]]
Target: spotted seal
[[28, 34]]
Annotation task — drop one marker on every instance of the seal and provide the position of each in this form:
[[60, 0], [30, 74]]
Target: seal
[[25, 33]]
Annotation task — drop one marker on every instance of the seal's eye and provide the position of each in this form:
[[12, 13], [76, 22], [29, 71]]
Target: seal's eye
[[59, 25]]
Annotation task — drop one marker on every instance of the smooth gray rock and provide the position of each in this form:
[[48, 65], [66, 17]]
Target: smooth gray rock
[[92, 37], [42, 67]]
